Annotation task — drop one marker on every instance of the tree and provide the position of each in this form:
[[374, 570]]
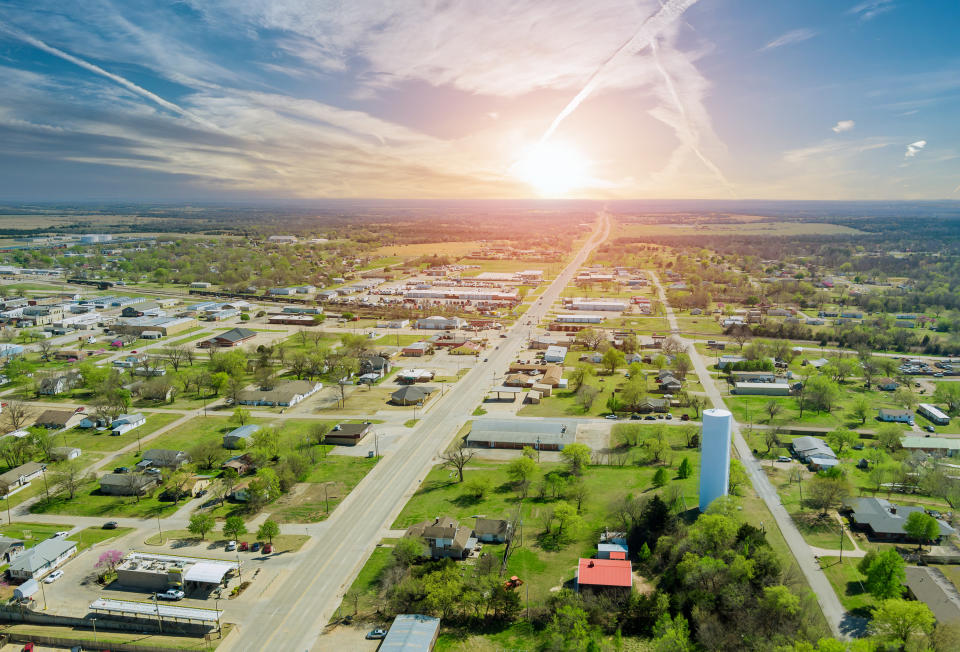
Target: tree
[[478, 487], [521, 471], [409, 550], [614, 404], [613, 359], [109, 560], [903, 397], [16, 413], [69, 477], [826, 492], [660, 477], [263, 489], [268, 530], [741, 334], [589, 338], [176, 356], [581, 371], [207, 454], [685, 469], [566, 518], [671, 634], [772, 439], [772, 408], [586, 395], [922, 527], [240, 415], [697, 402], [175, 484], [319, 431], [822, 393], [897, 620], [200, 524], [889, 436], [949, 394], [842, 438], [457, 458], [884, 572], [234, 527], [577, 457], [738, 476], [860, 409]]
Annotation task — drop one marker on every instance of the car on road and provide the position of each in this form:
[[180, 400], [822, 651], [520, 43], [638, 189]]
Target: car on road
[[635, 417], [53, 577], [110, 525], [649, 417], [231, 545], [376, 634], [613, 417], [783, 458], [929, 428], [171, 594], [485, 359], [62, 534], [668, 417]]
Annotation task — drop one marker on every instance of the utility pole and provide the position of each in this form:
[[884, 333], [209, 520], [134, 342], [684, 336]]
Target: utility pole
[[157, 604]]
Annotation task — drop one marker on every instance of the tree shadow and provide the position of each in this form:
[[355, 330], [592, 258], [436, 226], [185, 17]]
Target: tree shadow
[[466, 500]]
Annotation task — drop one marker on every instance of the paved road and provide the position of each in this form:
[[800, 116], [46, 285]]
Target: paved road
[[841, 623], [295, 616]]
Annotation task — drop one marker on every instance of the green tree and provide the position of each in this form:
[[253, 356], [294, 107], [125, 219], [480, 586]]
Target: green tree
[[614, 404], [889, 436], [521, 471], [478, 487], [922, 527], [825, 492], [671, 635], [948, 394], [738, 476], [200, 524], [268, 530], [884, 573], [566, 517], [860, 409], [613, 359], [234, 527], [570, 630], [577, 457], [842, 438], [660, 477], [685, 469], [240, 415], [581, 371], [409, 550], [897, 621]]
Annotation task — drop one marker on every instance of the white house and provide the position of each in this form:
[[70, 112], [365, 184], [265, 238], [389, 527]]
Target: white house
[[126, 422], [42, 558]]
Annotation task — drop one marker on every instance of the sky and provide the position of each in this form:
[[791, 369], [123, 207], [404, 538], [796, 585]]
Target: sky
[[609, 99]]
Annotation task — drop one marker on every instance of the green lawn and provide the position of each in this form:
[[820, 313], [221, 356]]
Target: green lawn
[[89, 439], [88, 501], [846, 581], [281, 543], [32, 533], [398, 339], [367, 582], [338, 474], [93, 535]]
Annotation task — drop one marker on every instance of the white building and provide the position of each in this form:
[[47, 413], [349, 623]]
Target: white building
[[283, 239], [580, 319], [605, 305], [933, 413], [714, 456], [555, 354], [441, 323]]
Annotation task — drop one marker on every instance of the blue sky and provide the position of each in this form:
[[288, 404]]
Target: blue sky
[[245, 99]]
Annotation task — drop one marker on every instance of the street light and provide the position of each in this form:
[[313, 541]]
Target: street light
[[157, 605], [94, 621], [159, 529]]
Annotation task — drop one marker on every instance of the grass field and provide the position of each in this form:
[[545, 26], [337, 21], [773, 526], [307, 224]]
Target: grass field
[[106, 637], [762, 227], [32, 533], [846, 581], [281, 543], [328, 484], [398, 339], [91, 536], [452, 249], [89, 439]]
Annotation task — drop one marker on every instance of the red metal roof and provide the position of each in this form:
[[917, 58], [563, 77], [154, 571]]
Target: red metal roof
[[618, 555], [605, 572]]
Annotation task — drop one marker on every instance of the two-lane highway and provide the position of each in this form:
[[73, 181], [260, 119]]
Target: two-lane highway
[[296, 614]]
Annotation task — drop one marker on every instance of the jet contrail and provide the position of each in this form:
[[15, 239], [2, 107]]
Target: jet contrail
[[97, 70], [687, 131], [644, 36]]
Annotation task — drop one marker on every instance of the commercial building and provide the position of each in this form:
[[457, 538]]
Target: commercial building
[[579, 319], [761, 389], [944, 446], [599, 305], [231, 338], [283, 395], [165, 325], [714, 455], [348, 434], [555, 354], [928, 585], [516, 433], [411, 633], [157, 572], [440, 323]]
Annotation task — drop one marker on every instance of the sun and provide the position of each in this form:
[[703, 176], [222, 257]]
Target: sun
[[552, 169]]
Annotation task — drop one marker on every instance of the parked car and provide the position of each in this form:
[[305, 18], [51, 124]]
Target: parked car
[[110, 525], [53, 577], [929, 428], [171, 594], [783, 458], [611, 416], [244, 546], [635, 417], [684, 417], [376, 634], [255, 547], [668, 417], [268, 548], [153, 471], [62, 534], [649, 417], [231, 545], [122, 469]]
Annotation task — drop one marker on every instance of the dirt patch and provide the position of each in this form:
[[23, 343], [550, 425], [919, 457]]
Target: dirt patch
[[345, 637], [641, 585]]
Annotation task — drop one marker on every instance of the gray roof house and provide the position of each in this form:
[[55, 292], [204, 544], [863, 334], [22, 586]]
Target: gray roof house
[[445, 537], [42, 558], [127, 484], [542, 434], [929, 586], [162, 457], [22, 475], [884, 520], [10, 548], [814, 451], [240, 437]]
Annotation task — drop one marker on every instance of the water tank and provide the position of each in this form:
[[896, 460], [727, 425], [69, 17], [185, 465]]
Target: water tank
[[714, 456]]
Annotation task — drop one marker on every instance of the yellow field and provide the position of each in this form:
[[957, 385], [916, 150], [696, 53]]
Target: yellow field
[[757, 228]]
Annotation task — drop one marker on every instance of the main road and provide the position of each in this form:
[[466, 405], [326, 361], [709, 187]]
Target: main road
[[297, 612], [840, 622]]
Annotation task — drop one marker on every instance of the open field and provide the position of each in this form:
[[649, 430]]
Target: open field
[[758, 228], [451, 249], [89, 439]]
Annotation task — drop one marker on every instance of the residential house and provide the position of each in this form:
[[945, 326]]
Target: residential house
[[445, 537], [648, 405], [815, 452], [240, 438], [375, 364], [242, 464], [928, 585], [65, 453], [41, 559], [604, 576], [58, 419], [895, 416], [884, 520], [56, 385], [10, 548], [126, 422], [887, 384], [492, 530], [163, 458], [933, 414], [555, 354], [127, 484], [22, 475]]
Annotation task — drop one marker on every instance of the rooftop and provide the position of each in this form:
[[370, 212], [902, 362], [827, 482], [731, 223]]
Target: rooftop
[[605, 572]]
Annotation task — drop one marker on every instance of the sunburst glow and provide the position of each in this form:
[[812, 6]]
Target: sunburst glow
[[552, 169]]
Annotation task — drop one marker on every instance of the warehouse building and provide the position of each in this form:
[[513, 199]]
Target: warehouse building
[[539, 434]]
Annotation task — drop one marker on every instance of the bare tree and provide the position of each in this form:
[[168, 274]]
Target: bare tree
[[176, 355], [16, 413], [45, 347], [741, 334], [458, 457], [69, 476]]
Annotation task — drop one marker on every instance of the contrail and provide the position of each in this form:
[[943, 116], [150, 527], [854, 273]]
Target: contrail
[[689, 133], [644, 36], [97, 70]]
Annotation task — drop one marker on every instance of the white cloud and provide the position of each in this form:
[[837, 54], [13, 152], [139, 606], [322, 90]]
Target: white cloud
[[834, 149], [791, 37], [842, 126], [914, 148], [871, 9]]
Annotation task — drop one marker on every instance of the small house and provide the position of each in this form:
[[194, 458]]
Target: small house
[[127, 484], [895, 416], [64, 453], [57, 419], [41, 559]]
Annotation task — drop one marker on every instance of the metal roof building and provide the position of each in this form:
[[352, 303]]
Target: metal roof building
[[545, 434], [411, 633]]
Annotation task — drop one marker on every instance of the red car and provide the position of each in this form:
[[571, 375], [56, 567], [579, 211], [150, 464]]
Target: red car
[[268, 548], [244, 545]]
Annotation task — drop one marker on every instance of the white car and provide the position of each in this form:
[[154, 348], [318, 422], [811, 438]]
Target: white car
[[171, 594], [231, 545], [53, 577], [61, 534]]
